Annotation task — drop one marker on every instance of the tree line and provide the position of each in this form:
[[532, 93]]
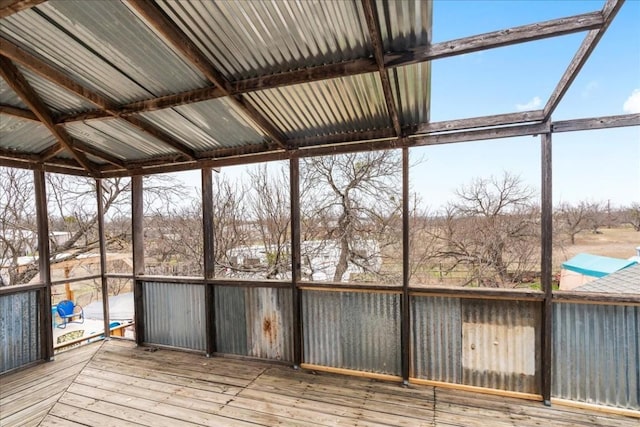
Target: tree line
[[351, 224]]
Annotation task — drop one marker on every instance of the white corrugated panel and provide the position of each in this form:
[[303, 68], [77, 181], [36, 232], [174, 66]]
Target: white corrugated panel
[[25, 136]]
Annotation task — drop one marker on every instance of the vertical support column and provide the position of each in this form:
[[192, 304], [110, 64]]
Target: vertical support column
[[209, 260], [405, 325], [103, 259], [44, 265], [546, 266], [294, 177], [137, 230]]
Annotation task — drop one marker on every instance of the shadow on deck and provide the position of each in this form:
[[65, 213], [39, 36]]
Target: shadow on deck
[[114, 383]]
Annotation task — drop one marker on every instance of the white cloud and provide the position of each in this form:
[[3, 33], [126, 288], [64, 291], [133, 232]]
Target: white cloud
[[632, 104], [534, 103]]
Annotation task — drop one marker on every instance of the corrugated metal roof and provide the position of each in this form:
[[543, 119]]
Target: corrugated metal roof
[[404, 24], [325, 107], [412, 92], [625, 281], [9, 97], [207, 125], [66, 155], [25, 136], [250, 38], [118, 138], [58, 99]]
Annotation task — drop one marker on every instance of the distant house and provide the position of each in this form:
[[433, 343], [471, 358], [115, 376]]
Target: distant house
[[626, 281], [585, 268]]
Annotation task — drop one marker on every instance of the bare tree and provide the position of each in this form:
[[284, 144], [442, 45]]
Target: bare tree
[[631, 216], [491, 230], [357, 199], [572, 219], [18, 232], [270, 207]]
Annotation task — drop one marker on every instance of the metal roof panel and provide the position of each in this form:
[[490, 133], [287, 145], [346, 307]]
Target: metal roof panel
[[24, 136]]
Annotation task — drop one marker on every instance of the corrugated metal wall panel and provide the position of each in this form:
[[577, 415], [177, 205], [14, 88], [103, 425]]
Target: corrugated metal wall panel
[[352, 330], [499, 345], [231, 320], [19, 330], [436, 339], [25, 136], [254, 322], [174, 315], [325, 107], [596, 354], [251, 38], [489, 344]]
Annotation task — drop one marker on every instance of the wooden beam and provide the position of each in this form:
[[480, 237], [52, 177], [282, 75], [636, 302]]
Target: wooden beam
[[371, 18], [44, 265], [494, 39], [18, 112], [38, 166], [102, 244], [296, 260], [20, 86], [48, 72], [609, 12], [405, 324], [480, 122], [546, 224], [137, 232], [481, 134], [596, 123], [168, 29], [209, 260], [9, 7]]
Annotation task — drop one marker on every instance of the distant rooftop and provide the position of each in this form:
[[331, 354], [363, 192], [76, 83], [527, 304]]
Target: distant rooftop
[[596, 265], [626, 281]]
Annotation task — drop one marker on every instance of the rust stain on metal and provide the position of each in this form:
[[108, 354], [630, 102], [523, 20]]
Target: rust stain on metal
[[269, 329]]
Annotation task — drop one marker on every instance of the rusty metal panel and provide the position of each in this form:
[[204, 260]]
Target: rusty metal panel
[[436, 339], [254, 322], [352, 330], [24, 135], [500, 342], [596, 354], [19, 330], [325, 107], [174, 315], [250, 38]]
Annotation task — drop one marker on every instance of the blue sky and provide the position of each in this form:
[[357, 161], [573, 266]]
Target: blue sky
[[597, 166]]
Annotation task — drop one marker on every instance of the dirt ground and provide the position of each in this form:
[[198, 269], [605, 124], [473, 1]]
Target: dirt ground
[[611, 242]]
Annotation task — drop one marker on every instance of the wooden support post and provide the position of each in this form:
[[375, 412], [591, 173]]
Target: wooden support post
[[103, 259], [405, 325], [546, 267], [294, 177], [209, 261], [137, 230], [44, 265]]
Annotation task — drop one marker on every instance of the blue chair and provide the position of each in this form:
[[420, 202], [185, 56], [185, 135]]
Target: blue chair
[[67, 310]]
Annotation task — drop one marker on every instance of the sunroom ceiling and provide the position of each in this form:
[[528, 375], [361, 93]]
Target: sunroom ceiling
[[112, 87]]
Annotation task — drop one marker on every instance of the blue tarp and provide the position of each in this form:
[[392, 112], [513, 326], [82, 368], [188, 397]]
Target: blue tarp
[[596, 265]]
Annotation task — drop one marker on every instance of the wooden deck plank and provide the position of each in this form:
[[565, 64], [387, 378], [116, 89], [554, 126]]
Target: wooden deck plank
[[119, 384]]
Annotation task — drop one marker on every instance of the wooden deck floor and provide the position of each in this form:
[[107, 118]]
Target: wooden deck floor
[[116, 384]]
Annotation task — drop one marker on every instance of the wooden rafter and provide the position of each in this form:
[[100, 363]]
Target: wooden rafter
[[46, 71], [358, 66], [18, 112], [20, 86], [609, 12], [9, 7], [596, 123], [371, 17], [479, 122], [155, 16]]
